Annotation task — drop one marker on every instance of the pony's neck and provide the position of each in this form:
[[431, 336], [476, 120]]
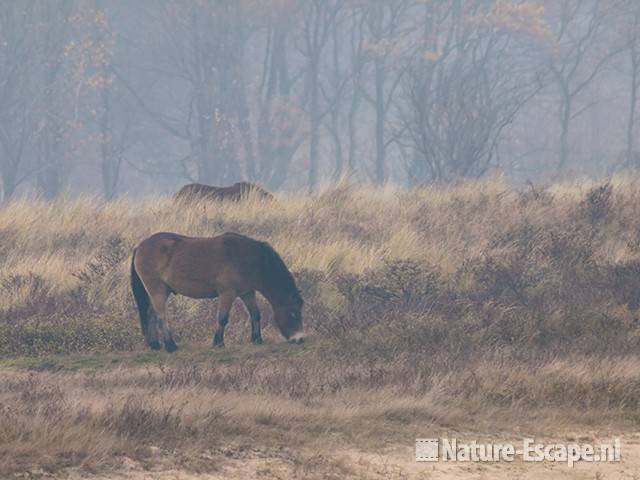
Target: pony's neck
[[272, 293], [275, 281]]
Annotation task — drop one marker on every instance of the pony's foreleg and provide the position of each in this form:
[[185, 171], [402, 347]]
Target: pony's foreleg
[[225, 301], [159, 302], [250, 302], [169, 344]]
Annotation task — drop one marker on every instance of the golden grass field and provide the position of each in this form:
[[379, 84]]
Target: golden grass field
[[476, 310]]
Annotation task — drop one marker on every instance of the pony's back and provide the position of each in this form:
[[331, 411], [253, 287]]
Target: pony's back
[[236, 192], [195, 191]]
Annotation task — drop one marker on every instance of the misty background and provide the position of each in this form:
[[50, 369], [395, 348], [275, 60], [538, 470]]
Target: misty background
[[113, 97]]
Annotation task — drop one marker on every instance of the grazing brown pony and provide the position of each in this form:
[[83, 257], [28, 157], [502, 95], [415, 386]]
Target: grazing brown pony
[[226, 266], [236, 192]]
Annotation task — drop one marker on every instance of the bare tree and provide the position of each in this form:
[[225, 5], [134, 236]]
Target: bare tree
[[291, 92], [357, 69], [55, 94], [467, 81], [106, 120], [334, 95], [17, 99], [386, 29], [579, 28], [201, 52], [628, 24], [318, 19], [280, 130]]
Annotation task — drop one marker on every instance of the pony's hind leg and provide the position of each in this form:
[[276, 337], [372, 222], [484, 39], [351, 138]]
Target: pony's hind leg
[[250, 302], [151, 332], [159, 301], [225, 301]]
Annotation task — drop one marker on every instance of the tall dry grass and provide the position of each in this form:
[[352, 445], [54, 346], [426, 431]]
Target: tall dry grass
[[473, 266], [474, 304]]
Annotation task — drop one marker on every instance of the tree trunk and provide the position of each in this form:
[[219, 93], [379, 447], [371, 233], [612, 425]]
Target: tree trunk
[[49, 176], [564, 133], [315, 124], [632, 108], [205, 169], [335, 110], [50, 162], [9, 178], [244, 125], [337, 142], [353, 133], [380, 120], [108, 167]]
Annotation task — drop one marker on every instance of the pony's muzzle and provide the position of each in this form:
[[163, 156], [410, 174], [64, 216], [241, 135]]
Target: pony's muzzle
[[297, 338]]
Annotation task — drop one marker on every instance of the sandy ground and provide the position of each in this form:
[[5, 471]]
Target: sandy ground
[[395, 463]]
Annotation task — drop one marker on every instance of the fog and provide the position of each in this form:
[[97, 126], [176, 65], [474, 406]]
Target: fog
[[112, 97]]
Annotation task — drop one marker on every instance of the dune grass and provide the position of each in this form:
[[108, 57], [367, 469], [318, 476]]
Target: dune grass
[[475, 306]]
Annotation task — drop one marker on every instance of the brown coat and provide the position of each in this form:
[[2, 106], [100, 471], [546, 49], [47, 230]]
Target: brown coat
[[234, 193], [227, 266]]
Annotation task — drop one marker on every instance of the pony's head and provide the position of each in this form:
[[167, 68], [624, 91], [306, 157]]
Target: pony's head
[[280, 289], [288, 318]]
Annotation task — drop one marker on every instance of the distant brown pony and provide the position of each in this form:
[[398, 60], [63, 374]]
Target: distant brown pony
[[226, 266], [236, 192]]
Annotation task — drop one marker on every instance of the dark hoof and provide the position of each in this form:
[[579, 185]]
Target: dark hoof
[[155, 345], [170, 346], [218, 340], [296, 341], [257, 341]]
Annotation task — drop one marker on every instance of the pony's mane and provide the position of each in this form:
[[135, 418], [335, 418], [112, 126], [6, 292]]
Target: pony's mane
[[278, 271]]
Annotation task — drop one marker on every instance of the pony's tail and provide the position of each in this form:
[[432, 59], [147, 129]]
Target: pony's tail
[[141, 296]]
